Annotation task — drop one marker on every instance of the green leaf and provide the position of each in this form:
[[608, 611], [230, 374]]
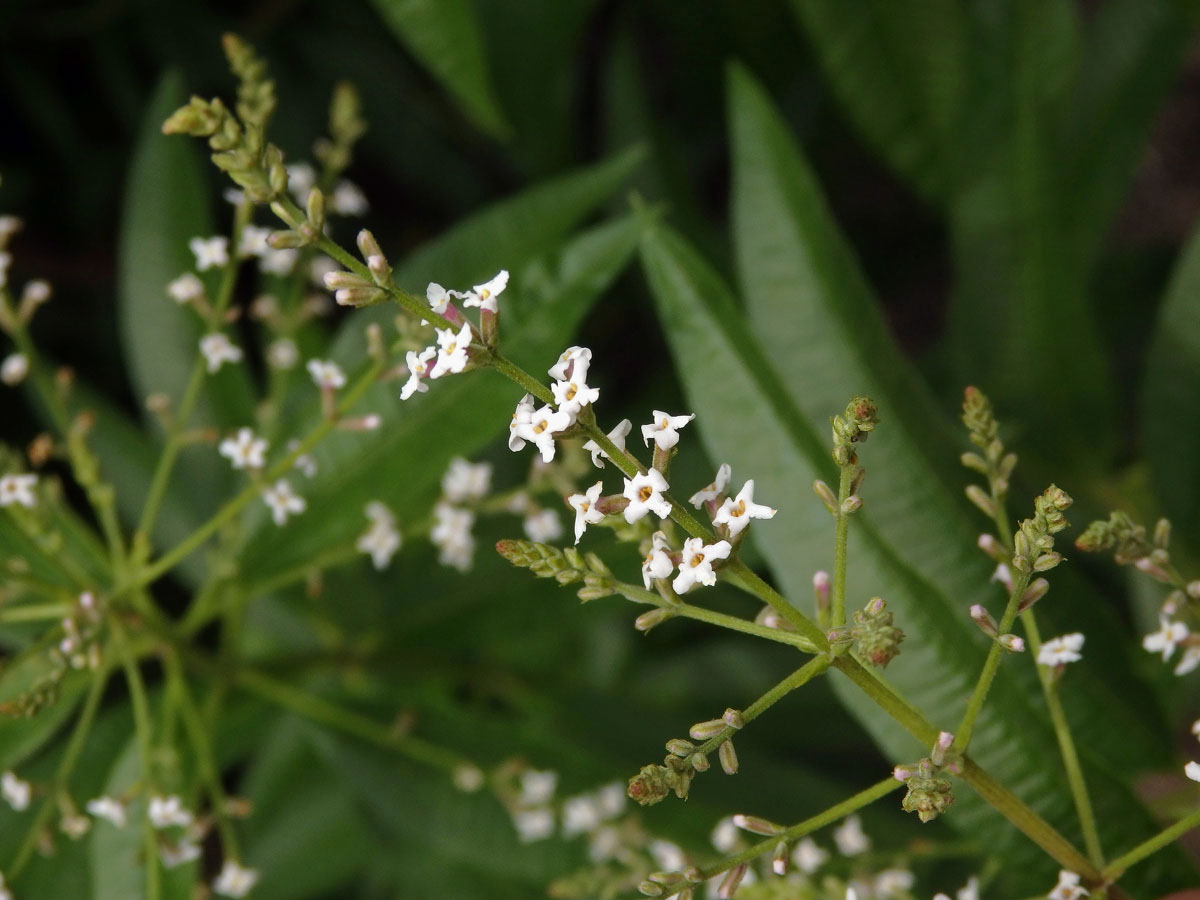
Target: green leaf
[[166, 204], [445, 36], [1171, 395], [899, 70], [117, 871], [403, 461], [925, 573], [20, 739]]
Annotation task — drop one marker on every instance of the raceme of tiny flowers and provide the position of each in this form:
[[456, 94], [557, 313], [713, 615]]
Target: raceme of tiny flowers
[[245, 451], [1061, 650], [282, 501]]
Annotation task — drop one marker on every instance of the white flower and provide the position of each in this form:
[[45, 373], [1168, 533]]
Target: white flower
[[605, 844], [319, 268], [210, 252], [382, 539], [348, 200], [218, 349], [714, 490], [572, 396], [1189, 660], [664, 429], [109, 809], [1061, 650], [278, 262], [9, 225], [452, 350], [533, 824], [418, 369], [850, 838], [969, 891], [521, 416], [15, 791], [725, 836], [245, 451], [891, 882], [466, 481], [585, 509], [736, 512], [564, 367], [1067, 888], [1169, 635], [235, 880], [645, 495], [668, 857], [1192, 771], [696, 565], [326, 374], [302, 178], [579, 814], [658, 563], [439, 298], [1003, 576], [543, 424], [451, 534], [484, 295], [186, 288], [14, 369], [808, 857], [542, 526], [176, 855], [617, 436], [305, 463], [283, 501], [537, 786], [164, 812], [18, 489], [283, 354], [610, 800], [468, 778], [74, 826], [253, 241]]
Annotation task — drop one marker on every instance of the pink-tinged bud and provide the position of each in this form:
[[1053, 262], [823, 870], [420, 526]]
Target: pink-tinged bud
[[984, 620], [728, 757], [699, 762], [779, 862], [757, 825], [944, 741], [1012, 643], [693, 875], [903, 773], [378, 266], [1035, 592], [841, 635], [1004, 576], [702, 731], [992, 547], [1146, 565], [851, 504], [733, 718], [648, 620], [821, 583], [875, 606], [826, 494], [730, 885], [680, 747]]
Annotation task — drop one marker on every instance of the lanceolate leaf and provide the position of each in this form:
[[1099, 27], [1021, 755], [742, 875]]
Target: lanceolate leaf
[[404, 459], [747, 418], [445, 36]]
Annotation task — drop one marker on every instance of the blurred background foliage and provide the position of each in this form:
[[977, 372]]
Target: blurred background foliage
[[1010, 185]]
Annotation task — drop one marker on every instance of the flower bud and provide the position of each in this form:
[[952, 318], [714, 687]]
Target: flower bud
[[699, 762], [985, 621], [1193, 589], [1035, 592], [903, 773], [680, 747], [649, 786], [992, 547], [648, 620], [982, 499], [728, 757], [851, 504], [944, 741], [650, 889], [779, 862], [757, 825], [316, 209], [826, 494], [379, 268], [702, 731], [1146, 565], [733, 718], [1047, 561], [1012, 643], [821, 584], [730, 884], [1162, 534]]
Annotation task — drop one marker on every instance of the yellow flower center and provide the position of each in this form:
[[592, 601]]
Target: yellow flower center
[[697, 559], [645, 493]]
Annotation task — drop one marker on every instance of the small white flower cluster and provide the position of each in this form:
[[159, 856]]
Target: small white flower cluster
[[1068, 887], [534, 814], [1172, 634], [451, 354], [463, 482], [245, 450], [16, 792], [167, 813], [18, 489], [347, 198], [538, 426], [382, 539], [326, 374], [969, 891]]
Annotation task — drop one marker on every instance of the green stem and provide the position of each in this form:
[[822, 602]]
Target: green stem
[[145, 738], [1124, 863], [962, 737], [203, 751], [800, 677], [83, 727], [1066, 745], [37, 612], [808, 826], [845, 476], [722, 620]]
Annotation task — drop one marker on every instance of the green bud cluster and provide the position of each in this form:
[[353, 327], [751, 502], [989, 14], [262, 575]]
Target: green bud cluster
[[929, 792], [852, 427], [566, 566], [1126, 538], [652, 784], [346, 126], [1034, 540], [995, 465], [43, 693], [256, 92], [878, 639]]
